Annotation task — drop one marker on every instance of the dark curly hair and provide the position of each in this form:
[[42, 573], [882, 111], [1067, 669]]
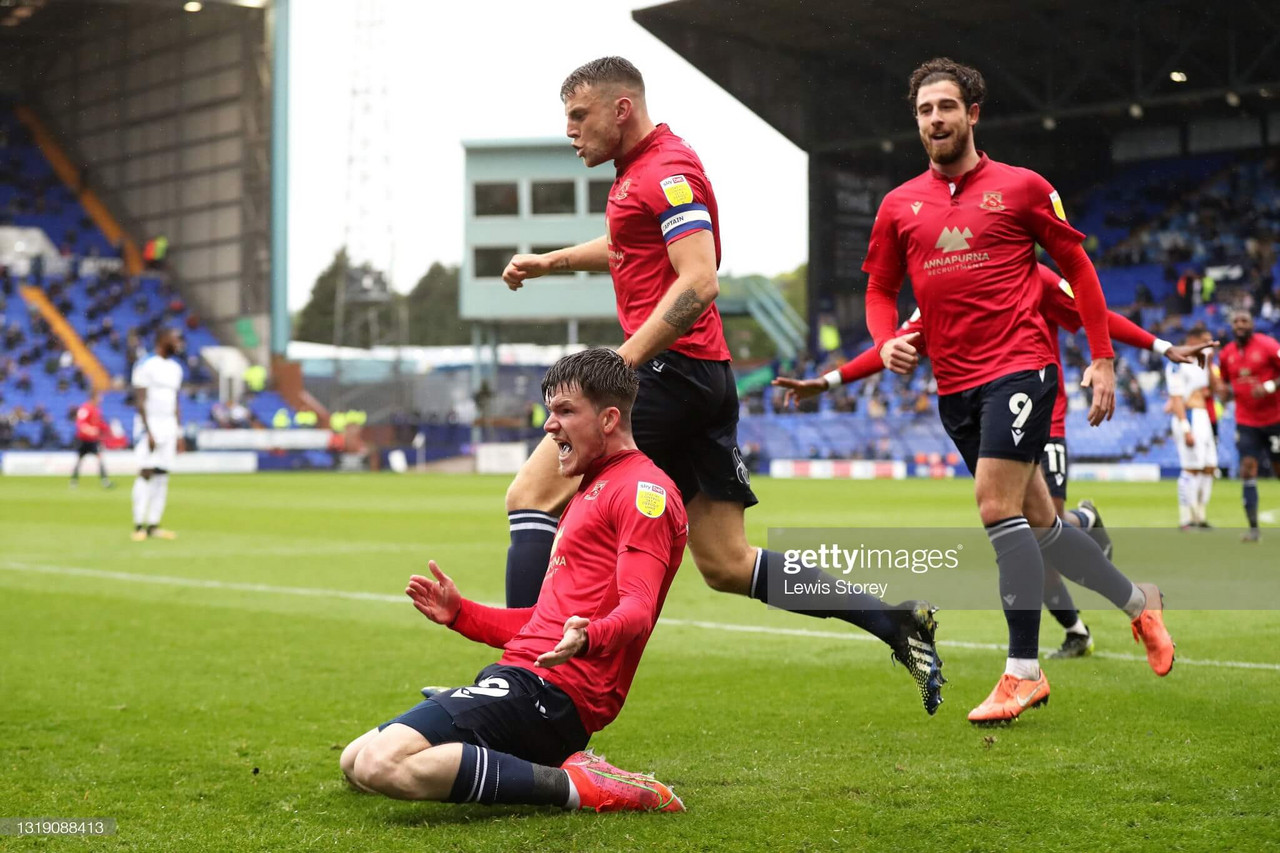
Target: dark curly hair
[[972, 87]]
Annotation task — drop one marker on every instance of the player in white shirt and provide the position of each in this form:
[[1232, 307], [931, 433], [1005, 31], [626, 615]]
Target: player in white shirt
[[1189, 395], [157, 379]]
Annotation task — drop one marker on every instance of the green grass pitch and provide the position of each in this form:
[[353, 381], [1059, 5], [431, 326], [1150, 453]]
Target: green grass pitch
[[209, 716]]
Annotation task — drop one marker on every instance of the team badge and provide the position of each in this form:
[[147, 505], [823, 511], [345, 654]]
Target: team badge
[[622, 190], [1056, 201], [992, 201], [677, 190], [595, 490], [651, 499]]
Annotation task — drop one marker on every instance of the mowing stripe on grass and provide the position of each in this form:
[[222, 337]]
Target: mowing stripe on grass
[[201, 583]]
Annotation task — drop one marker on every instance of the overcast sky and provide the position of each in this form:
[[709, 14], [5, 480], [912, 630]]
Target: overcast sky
[[493, 69]]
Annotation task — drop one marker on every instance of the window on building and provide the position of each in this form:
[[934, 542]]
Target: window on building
[[554, 197], [490, 261], [538, 250], [497, 199], [598, 195]]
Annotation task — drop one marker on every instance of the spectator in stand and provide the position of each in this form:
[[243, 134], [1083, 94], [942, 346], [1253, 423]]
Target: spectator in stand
[[221, 415], [134, 351], [241, 418], [1270, 313], [23, 382]]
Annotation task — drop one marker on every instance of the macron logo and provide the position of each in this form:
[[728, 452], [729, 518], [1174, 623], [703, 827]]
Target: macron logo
[[953, 239]]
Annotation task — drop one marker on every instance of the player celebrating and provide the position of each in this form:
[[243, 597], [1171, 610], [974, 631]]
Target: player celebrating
[[157, 380], [1189, 399], [966, 231], [517, 736], [89, 431], [1250, 366], [1058, 308], [662, 247]]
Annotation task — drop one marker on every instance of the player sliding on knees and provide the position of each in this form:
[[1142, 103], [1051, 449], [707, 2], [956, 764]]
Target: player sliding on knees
[[1058, 308], [662, 247], [519, 734], [966, 231]]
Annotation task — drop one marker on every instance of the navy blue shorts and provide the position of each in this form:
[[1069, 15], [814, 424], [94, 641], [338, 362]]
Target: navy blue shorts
[[1259, 442], [1054, 464], [509, 709], [1006, 418], [686, 420]]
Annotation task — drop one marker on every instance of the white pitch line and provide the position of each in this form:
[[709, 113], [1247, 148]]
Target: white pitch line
[[311, 592]]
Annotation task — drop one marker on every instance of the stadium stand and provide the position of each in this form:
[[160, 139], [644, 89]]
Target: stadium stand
[[1154, 246], [82, 321]]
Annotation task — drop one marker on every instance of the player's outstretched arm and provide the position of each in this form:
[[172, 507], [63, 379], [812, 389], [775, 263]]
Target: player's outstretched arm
[[866, 364], [1197, 354], [695, 288], [592, 256], [438, 600]]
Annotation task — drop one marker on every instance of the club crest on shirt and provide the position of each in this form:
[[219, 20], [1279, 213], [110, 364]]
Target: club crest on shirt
[[651, 499], [992, 201], [622, 190], [595, 490], [677, 190]]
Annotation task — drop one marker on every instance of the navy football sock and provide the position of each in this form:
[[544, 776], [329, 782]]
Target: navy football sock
[[532, 534], [1058, 600], [1021, 583], [488, 776], [1251, 502], [822, 598], [1074, 553]]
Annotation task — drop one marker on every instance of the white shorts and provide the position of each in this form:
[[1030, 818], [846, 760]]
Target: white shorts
[[166, 436], [1202, 454]]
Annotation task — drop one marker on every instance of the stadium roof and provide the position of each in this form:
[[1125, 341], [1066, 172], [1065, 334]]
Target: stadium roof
[[831, 74]]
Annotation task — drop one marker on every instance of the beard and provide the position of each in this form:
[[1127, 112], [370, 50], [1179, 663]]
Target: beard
[[950, 150]]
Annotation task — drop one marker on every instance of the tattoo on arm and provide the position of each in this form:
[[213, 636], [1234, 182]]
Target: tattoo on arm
[[685, 312], [561, 263]]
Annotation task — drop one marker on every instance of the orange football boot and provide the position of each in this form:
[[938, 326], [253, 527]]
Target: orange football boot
[[605, 788], [1149, 628], [1011, 696]]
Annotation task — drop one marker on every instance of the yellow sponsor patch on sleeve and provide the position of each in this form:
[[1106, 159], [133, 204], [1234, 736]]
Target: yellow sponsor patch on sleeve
[[677, 190], [1058, 209], [1066, 287], [651, 499]]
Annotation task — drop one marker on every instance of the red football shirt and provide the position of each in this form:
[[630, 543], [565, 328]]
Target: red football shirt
[[1258, 362], [969, 246], [1057, 307], [625, 506], [89, 423], [661, 195]]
